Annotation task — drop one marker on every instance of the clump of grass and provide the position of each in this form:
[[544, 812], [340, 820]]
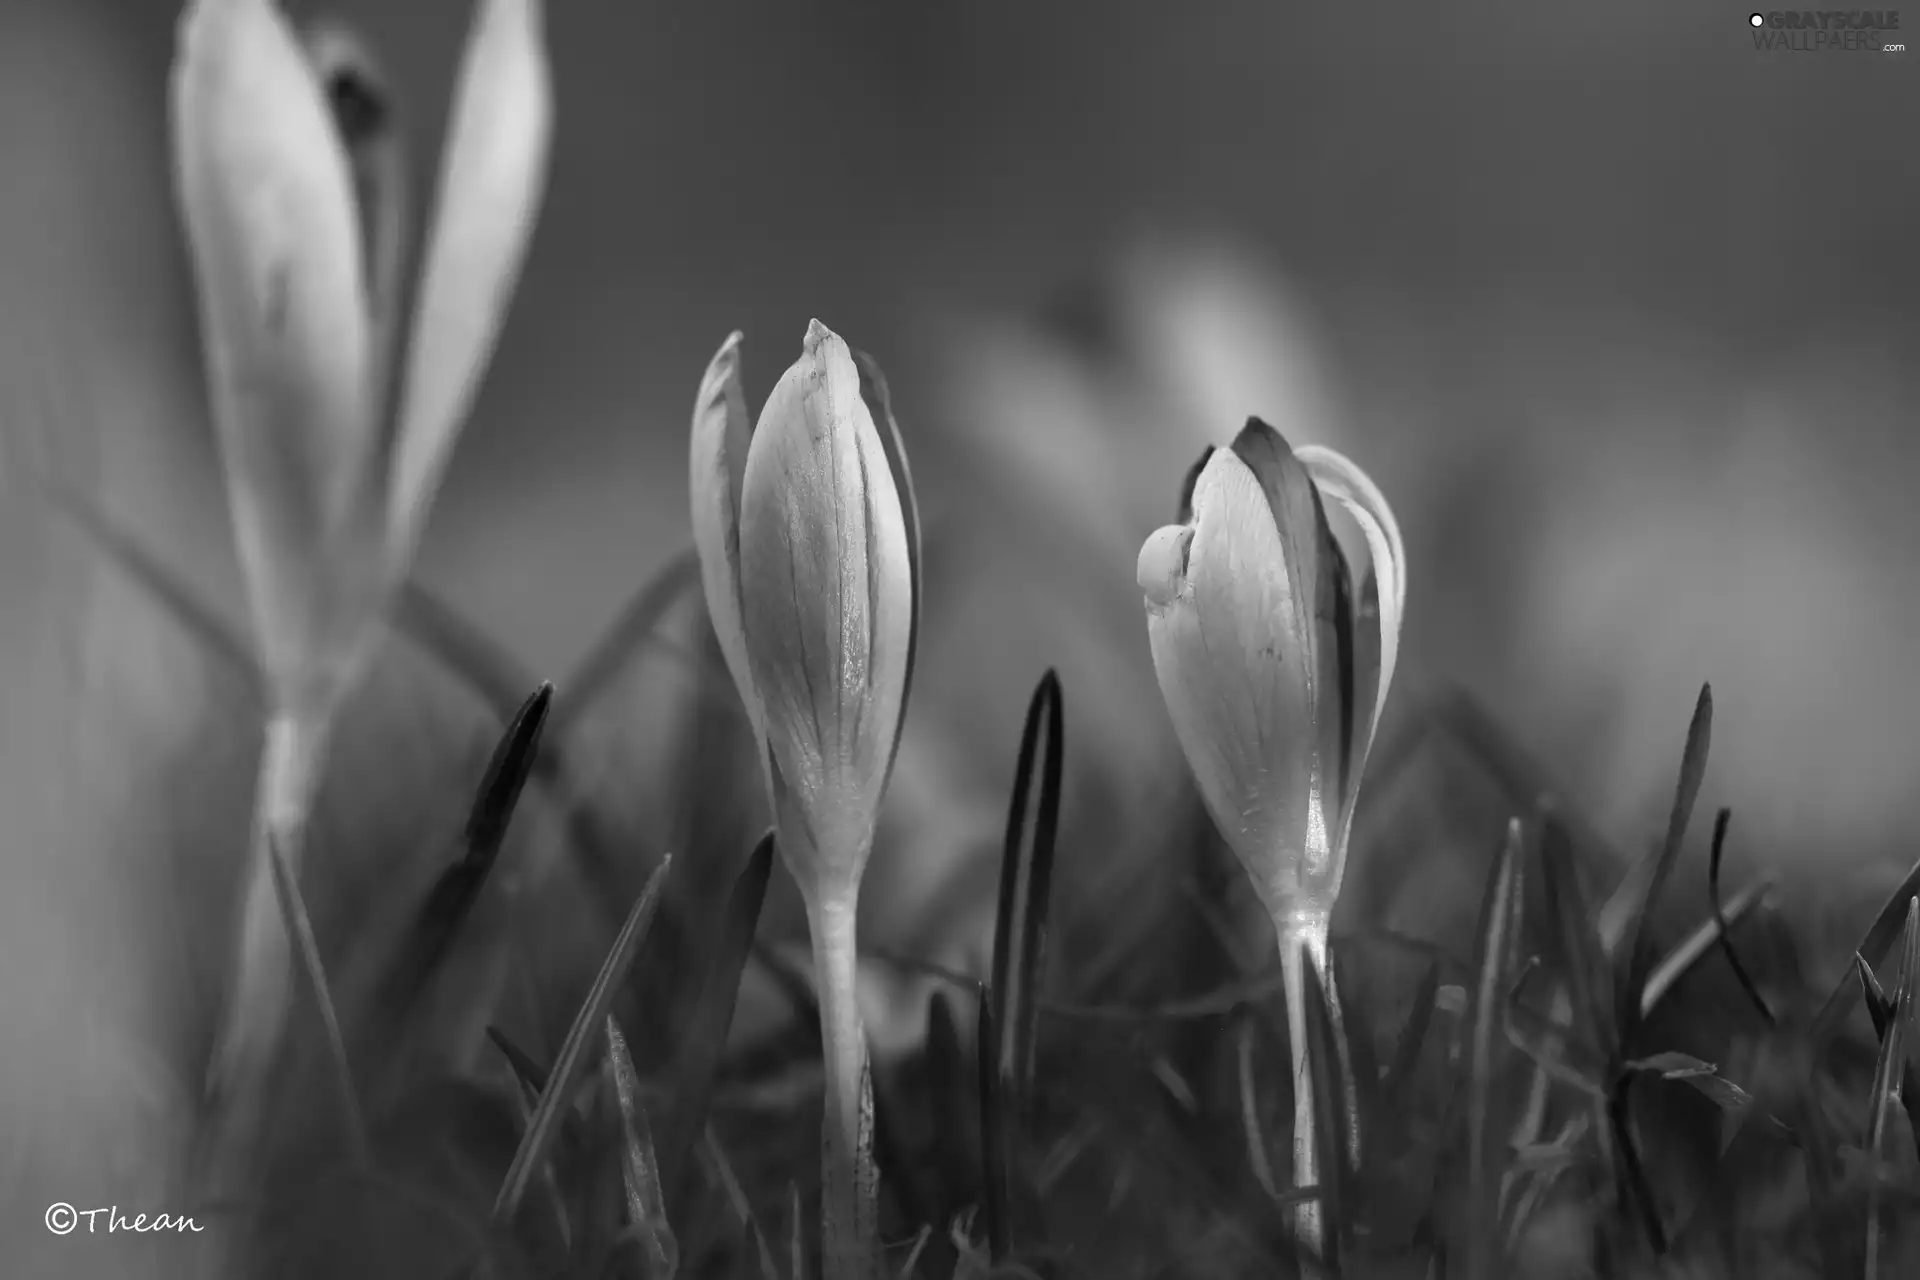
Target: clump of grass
[[1593, 1081]]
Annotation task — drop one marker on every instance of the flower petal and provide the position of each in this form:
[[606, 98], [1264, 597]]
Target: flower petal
[[1348, 485], [717, 464], [1317, 569], [491, 180], [879, 401], [1233, 683], [826, 599], [366, 121], [266, 200]]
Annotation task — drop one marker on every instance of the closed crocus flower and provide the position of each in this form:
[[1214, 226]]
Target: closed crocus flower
[[1274, 665], [338, 376], [809, 546]]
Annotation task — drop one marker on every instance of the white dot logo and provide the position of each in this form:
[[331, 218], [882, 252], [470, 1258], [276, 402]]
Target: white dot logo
[[1757, 20]]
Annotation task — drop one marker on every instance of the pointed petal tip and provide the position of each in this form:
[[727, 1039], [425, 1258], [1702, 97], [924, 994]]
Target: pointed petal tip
[[817, 334]]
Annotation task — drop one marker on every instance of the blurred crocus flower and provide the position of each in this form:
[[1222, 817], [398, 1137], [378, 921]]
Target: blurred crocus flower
[[1274, 664], [339, 376], [809, 544]]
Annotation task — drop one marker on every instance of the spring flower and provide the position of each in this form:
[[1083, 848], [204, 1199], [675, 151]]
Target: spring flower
[[338, 376], [809, 544], [1274, 669]]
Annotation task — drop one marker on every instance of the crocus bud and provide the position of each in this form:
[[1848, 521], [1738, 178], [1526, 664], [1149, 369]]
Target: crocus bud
[[338, 379], [1272, 676], [1274, 681], [809, 544], [808, 541]]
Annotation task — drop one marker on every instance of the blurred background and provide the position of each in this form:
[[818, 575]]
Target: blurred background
[[1619, 312]]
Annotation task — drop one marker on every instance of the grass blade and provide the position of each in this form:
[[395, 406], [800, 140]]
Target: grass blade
[[230, 651], [1251, 1128], [1878, 940], [1698, 945], [737, 1198], [646, 1207], [639, 621], [572, 1062], [1325, 1074], [994, 1157], [461, 647], [1499, 922], [946, 1085], [1026, 878], [531, 1075], [454, 894], [1413, 1034], [1721, 918], [704, 1042], [1889, 1072], [1638, 944], [1874, 996], [1587, 970], [293, 908]]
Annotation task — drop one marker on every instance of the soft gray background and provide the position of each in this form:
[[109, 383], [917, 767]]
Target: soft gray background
[[1620, 312]]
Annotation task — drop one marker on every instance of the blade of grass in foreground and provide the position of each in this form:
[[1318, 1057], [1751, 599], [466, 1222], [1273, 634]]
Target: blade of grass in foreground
[[211, 631], [1889, 1071], [646, 1207], [300, 927], [453, 896], [639, 621], [1637, 945], [704, 1042], [994, 1158], [1026, 877], [1499, 922], [1873, 948], [572, 1062]]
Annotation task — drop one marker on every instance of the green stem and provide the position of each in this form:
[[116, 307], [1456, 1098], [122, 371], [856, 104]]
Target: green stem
[[1303, 936], [261, 983], [847, 1218]]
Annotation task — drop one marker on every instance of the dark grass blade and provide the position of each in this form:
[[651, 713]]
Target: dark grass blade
[[293, 909], [637, 622], [1629, 1169], [704, 1042], [1691, 950], [1587, 970], [1326, 1070], [1637, 945], [229, 649], [1026, 878], [755, 1236], [948, 1101], [573, 1059], [995, 1159], [531, 1075], [1889, 1074], [639, 1170], [1413, 1034], [1499, 922], [454, 894], [1727, 949], [1878, 940], [1874, 996]]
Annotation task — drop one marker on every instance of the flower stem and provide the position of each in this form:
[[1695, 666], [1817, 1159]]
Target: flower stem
[[847, 1210], [1303, 935], [261, 983]]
